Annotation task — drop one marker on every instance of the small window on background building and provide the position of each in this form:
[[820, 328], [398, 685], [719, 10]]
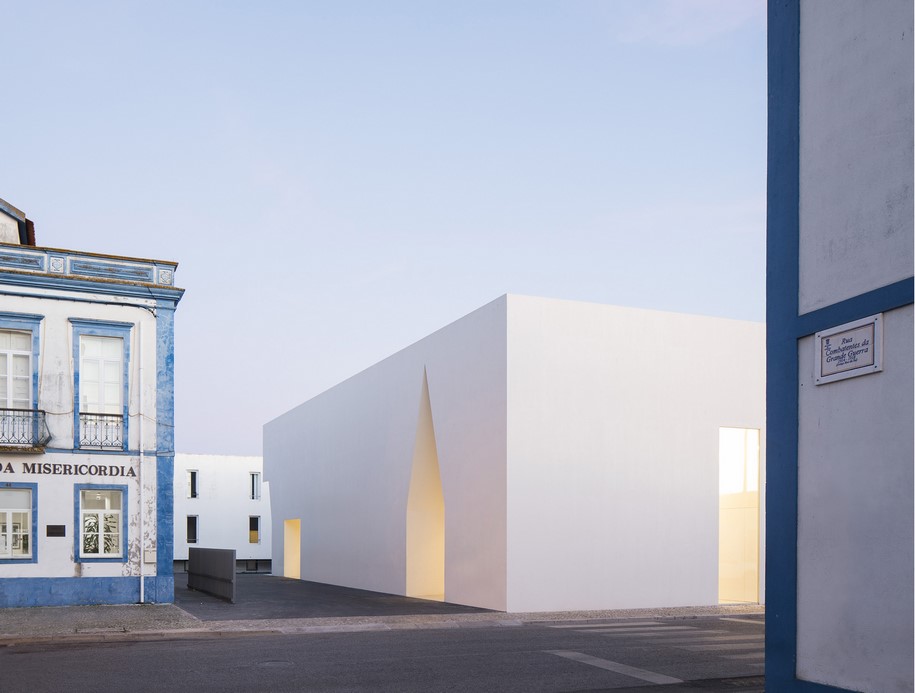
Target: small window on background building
[[191, 529], [254, 530], [100, 524], [15, 523], [255, 485], [192, 483]]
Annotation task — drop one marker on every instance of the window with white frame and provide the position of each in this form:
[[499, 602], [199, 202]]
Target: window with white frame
[[191, 483], [191, 529], [101, 523], [255, 485], [15, 523], [101, 352], [100, 391], [15, 369], [254, 530]]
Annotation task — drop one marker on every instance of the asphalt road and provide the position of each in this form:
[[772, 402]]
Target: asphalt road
[[623, 655]]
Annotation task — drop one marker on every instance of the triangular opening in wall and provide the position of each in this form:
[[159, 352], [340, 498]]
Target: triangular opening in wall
[[425, 511]]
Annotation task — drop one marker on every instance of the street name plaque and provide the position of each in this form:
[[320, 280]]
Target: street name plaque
[[849, 350]]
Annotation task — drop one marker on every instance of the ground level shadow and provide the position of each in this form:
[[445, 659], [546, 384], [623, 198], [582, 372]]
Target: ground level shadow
[[260, 596]]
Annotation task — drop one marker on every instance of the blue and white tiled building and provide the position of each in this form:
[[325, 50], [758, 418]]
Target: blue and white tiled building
[[86, 424]]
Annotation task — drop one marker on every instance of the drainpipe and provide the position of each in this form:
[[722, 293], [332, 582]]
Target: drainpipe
[[140, 478]]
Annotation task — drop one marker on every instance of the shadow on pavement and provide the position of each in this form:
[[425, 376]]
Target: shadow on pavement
[[274, 597]]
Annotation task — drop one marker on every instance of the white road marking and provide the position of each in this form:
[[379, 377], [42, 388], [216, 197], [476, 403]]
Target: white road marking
[[754, 621], [624, 669], [678, 639], [728, 646], [643, 629], [624, 624], [748, 655]]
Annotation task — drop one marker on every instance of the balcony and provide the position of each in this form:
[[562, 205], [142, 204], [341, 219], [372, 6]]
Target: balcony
[[23, 430], [101, 431]]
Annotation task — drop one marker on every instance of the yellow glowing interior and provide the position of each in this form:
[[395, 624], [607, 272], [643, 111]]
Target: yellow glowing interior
[[425, 512], [738, 515], [292, 561]]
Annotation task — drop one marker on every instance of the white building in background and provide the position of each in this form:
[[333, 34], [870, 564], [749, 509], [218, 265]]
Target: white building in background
[[86, 423], [840, 348], [223, 502], [535, 455]]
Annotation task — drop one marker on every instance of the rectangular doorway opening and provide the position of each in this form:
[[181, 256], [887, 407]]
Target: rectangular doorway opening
[[738, 515], [292, 548]]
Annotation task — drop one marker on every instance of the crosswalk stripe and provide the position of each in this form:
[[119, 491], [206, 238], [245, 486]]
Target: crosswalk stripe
[[722, 646], [616, 667], [643, 629], [660, 636], [623, 624], [747, 655], [678, 639]]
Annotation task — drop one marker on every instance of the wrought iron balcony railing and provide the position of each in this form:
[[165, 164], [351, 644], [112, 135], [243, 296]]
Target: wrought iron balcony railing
[[101, 430], [24, 427]]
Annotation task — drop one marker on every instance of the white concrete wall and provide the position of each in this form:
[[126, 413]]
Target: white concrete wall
[[578, 449], [855, 148], [341, 463], [223, 505], [855, 524], [55, 397], [613, 419], [855, 520]]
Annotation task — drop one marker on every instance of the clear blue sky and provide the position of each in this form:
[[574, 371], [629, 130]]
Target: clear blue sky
[[338, 179]]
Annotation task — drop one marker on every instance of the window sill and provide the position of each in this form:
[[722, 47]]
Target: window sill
[[108, 559]]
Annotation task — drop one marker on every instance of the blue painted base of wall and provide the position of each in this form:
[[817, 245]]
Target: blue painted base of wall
[[16, 592], [159, 590]]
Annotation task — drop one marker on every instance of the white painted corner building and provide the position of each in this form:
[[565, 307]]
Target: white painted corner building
[[86, 423], [840, 290], [535, 455], [222, 502]]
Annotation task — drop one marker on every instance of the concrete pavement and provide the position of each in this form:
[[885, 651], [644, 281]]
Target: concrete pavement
[[331, 609]]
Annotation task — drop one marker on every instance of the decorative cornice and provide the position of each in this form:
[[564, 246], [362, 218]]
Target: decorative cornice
[[108, 287], [69, 270], [88, 266]]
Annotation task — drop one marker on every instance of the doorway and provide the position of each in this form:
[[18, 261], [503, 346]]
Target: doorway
[[738, 515], [292, 547], [425, 540]]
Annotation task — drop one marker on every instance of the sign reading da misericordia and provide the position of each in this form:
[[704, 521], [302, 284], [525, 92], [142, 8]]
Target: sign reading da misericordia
[[849, 350]]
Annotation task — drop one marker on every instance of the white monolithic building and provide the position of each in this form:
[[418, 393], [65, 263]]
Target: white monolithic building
[[535, 455]]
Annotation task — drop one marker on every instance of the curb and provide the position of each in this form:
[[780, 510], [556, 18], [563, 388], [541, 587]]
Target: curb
[[317, 626]]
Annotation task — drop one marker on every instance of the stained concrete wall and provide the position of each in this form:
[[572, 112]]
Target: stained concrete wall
[[55, 394], [613, 421]]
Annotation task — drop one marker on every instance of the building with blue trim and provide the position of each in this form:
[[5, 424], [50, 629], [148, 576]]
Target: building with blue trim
[[86, 424], [840, 394]]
